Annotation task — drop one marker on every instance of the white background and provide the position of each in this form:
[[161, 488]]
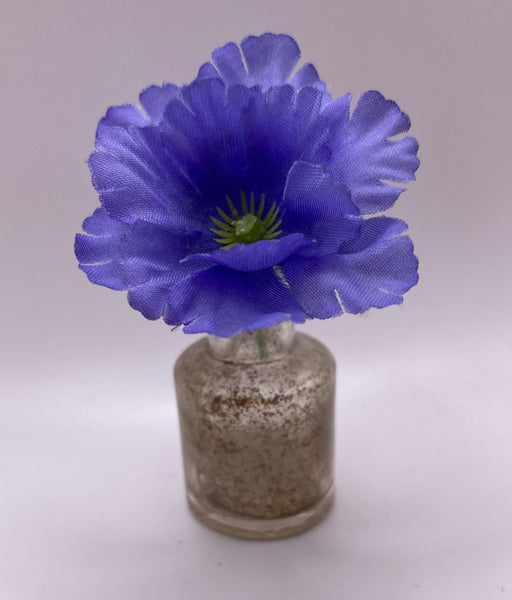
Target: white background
[[92, 500]]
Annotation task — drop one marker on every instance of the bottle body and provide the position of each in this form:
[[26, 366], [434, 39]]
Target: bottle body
[[256, 419]]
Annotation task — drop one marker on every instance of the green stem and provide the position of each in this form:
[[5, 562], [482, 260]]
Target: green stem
[[260, 340]]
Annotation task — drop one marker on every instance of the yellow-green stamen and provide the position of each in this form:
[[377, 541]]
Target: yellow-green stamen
[[248, 228]]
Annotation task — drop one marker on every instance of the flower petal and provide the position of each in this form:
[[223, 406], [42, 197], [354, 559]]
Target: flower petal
[[263, 61], [150, 298], [202, 134], [363, 156], [98, 249], [256, 256], [373, 271], [270, 58], [225, 302], [229, 64], [280, 127], [320, 208], [154, 99], [125, 116], [121, 255], [207, 71], [136, 179], [307, 76], [152, 252]]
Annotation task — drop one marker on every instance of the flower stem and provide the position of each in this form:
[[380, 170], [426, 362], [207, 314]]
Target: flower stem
[[260, 340]]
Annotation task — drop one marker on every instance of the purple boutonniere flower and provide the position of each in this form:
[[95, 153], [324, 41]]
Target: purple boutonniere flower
[[240, 200]]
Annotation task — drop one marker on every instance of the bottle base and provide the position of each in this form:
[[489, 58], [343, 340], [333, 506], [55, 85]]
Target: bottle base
[[260, 529]]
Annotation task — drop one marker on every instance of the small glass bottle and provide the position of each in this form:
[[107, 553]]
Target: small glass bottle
[[257, 418]]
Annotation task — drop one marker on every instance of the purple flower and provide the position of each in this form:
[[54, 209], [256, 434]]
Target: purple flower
[[237, 201]]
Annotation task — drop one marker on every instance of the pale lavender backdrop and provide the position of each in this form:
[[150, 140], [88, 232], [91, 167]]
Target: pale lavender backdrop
[[91, 499]]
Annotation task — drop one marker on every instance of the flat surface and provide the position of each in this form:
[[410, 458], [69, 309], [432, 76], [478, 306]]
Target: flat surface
[[92, 501]]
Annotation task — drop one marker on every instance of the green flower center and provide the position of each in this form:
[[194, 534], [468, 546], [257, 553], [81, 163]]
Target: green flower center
[[248, 227]]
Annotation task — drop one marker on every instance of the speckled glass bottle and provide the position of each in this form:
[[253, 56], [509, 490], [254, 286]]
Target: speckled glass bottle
[[257, 416]]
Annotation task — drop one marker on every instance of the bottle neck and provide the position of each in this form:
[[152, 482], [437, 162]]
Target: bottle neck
[[260, 345]]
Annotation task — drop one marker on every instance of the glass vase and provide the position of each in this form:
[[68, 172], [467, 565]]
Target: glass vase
[[256, 418]]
